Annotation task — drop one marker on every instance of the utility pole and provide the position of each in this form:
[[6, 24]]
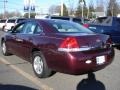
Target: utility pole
[[61, 7], [5, 1], [82, 9], [82, 4], [29, 11]]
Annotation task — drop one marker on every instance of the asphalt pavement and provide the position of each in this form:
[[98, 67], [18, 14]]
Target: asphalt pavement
[[17, 74]]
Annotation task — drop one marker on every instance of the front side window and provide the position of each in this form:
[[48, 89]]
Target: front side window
[[18, 28]]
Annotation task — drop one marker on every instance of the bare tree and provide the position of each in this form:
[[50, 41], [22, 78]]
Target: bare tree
[[54, 9], [71, 10], [91, 9], [11, 14], [113, 8]]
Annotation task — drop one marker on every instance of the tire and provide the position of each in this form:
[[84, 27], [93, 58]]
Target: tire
[[4, 49], [3, 28], [39, 65]]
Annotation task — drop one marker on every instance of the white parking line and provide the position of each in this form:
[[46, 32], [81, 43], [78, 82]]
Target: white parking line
[[26, 75]]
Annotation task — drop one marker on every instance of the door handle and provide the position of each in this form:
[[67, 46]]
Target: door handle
[[19, 40]]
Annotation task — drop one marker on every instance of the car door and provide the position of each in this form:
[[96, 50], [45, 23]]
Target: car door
[[12, 41], [24, 40]]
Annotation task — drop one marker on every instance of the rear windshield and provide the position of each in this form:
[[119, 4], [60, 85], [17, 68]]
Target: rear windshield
[[70, 27], [100, 20], [11, 21]]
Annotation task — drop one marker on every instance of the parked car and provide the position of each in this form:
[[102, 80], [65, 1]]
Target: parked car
[[73, 19], [3, 23], [58, 45], [107, 25], [11, 23]]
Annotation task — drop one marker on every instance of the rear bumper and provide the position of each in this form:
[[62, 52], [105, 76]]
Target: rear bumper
[[79, 66], [75, 63]]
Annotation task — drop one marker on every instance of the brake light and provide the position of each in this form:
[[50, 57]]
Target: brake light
[[86, 25], [70, 44]]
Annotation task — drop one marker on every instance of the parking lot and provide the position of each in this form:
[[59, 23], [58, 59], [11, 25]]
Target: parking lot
[[17, 74]]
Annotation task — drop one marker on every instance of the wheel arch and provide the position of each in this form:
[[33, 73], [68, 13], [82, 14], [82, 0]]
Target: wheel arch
[[2, 40], [31, 53], [47, 71]]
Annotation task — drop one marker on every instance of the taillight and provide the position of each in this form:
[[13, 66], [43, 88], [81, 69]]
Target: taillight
[[70, 44], [86, 25]]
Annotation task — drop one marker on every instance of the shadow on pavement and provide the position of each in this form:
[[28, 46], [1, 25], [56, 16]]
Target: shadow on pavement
[[117, 47], [90, 83], [14, 87]]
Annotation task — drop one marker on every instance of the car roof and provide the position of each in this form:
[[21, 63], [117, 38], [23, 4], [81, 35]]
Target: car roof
[[45, 20]]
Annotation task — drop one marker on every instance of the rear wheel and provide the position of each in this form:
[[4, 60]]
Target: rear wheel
[[40, 66], [4, 49]]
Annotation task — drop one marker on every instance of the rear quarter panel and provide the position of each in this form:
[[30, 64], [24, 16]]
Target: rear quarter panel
[[48, 45]]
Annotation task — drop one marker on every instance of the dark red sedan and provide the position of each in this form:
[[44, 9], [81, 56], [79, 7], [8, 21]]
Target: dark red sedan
[[58, 45]]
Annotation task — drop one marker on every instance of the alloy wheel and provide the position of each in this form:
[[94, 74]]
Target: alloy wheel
[[38, 64]]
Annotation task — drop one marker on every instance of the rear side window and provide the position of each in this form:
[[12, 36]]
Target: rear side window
[[19, 28], [29, 28], [11, 21], [70, 27], [38, 30]]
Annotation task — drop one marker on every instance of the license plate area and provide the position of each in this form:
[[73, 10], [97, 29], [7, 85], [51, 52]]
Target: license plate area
[[100, 60]]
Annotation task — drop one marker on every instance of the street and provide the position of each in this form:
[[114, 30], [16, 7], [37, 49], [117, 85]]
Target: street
[[17, 74]]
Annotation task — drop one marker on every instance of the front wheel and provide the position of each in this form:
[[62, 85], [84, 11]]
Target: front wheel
[[4, 49], [3, 28], [40, 66]]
